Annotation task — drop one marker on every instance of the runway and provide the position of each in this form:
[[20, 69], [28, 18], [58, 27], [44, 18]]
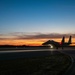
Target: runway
[[14, 54], [17, 51], [22, 50], [70, 52]]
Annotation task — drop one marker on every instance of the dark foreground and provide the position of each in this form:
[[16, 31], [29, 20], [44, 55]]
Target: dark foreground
[[37, 63]]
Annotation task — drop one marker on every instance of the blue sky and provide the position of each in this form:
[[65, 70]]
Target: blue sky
[[45, 16]]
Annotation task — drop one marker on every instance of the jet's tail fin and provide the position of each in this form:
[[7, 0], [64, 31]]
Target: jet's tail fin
[[69, 41], [63, 40]]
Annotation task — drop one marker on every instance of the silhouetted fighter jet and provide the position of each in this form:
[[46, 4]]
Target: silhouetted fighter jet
[[54, 44]]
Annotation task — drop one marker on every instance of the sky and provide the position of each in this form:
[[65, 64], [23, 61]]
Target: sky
[[35, 21]]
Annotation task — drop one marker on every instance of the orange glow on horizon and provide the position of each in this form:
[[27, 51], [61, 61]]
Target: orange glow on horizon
[[32, 42]]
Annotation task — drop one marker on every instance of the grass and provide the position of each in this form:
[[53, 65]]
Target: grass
[[46, 65]]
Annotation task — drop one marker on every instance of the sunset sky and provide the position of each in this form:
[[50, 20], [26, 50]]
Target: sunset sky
[[32, 22]]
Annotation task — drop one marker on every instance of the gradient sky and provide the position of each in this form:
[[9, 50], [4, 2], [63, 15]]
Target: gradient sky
[[40, 16]]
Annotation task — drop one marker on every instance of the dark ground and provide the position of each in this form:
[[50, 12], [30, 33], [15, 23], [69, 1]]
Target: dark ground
[[34, 63]]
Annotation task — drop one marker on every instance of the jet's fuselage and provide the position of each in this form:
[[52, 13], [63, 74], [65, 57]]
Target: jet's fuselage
[[57, 44]]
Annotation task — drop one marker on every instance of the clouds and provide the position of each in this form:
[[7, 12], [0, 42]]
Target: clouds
[[31, 38], [32, 35]]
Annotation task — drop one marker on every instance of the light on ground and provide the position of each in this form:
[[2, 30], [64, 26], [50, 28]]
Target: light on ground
[[51, 46]]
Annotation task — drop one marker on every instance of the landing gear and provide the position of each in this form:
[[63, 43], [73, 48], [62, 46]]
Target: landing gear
[[56, 47], [62, 47]]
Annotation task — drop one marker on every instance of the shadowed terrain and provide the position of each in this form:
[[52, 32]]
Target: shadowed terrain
[[52, 64]]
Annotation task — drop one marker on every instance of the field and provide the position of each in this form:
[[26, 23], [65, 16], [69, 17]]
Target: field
[[56, 64]]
